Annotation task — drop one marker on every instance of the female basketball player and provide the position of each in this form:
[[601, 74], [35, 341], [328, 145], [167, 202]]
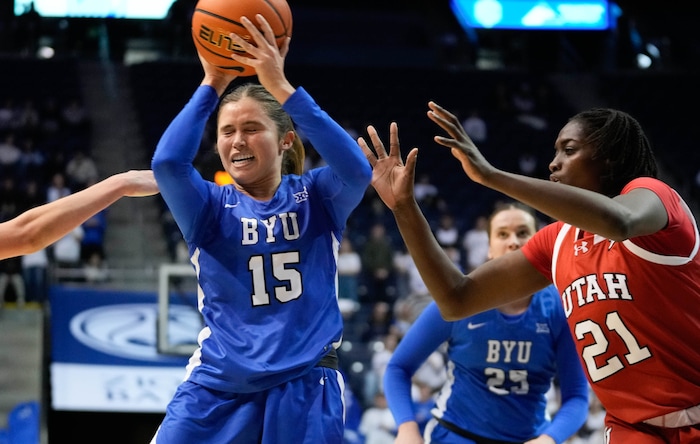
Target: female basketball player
[[623, 255], [502, 363], [265, 250]]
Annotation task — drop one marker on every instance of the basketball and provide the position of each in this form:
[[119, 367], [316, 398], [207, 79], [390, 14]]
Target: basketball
[[214, 20]]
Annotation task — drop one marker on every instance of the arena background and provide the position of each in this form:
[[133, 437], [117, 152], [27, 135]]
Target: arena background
[[366, 62]]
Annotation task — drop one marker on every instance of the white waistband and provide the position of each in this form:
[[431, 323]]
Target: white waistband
[[681, 418]]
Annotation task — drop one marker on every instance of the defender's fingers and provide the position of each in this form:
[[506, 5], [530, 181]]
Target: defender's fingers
[[411, 161], [394, 146], [448, 121], [376, 142], [369, 154], [449, 127]]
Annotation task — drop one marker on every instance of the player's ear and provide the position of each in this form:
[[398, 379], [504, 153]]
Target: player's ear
[[288, 139]]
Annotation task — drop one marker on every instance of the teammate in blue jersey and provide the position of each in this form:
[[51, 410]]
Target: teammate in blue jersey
[[501, 364], [264, 249]]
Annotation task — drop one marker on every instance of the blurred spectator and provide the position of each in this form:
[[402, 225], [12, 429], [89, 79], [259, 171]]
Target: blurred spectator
[[476, 127], [35, 275], [425, 192], [527, 107], [32, 163], [378, 265], [377, 424], [8, 114], [75, 126], [527, 163], [81, 171], [349, 269], [9, 199], [407, 309], [95, 269], [74, 115], [523, 98], [401, 257], [432, 373], [34, 266], [93, 236], [66, 255], [10, 155], [57, 188], [379, 322], [414, 295], [173, 237], [382, 349], [408, 280], [476, 243], [11, 274], [28, 118], [11, 268], [374, 208], [447, 234]]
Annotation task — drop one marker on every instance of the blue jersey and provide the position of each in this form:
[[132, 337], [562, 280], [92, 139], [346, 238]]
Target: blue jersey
[[500, 368], [266, 269]]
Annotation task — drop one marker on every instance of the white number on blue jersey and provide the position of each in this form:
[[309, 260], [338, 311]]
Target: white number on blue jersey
[[497, 380], [291, 278]]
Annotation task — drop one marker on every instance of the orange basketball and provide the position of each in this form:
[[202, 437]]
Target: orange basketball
[[214, 20]]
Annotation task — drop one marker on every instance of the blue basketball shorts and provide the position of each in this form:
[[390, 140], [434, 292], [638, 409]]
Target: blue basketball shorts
[[306, 410]]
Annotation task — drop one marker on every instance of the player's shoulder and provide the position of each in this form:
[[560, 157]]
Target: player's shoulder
[[645, 182], [657, 186], [547, 297], [546, 301]]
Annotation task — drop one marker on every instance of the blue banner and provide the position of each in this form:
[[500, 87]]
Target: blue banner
[[104, 355]]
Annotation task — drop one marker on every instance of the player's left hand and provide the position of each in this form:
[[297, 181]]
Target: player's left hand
[[462, 147], [265, 56]]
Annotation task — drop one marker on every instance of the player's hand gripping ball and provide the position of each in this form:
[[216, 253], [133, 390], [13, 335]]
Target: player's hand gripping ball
[[214, 20]]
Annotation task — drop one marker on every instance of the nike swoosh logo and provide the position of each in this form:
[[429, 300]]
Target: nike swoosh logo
[[471, 326], [231, 205]]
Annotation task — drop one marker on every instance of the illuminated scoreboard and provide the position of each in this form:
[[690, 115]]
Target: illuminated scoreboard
[[592, 15]]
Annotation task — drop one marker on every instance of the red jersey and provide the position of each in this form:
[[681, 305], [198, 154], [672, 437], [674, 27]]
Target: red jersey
[[633, 308]]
